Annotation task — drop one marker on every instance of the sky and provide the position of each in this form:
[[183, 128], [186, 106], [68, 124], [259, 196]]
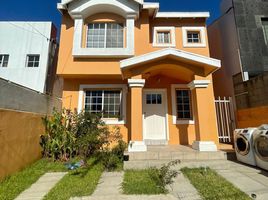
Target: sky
[[46, 10]]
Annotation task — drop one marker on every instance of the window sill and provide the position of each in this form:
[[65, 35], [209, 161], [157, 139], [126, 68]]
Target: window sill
[[181, 122], [103, 52], [164, 45], [114, 122], [194, 45]]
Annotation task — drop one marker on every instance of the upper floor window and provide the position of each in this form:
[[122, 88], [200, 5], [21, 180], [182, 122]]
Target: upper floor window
[[4, 60], [193, 37], [265, 28], [105, 35], [33, 61], [164, 37]]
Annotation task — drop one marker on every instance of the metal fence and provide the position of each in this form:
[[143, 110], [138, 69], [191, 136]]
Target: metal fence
[[225, 119]]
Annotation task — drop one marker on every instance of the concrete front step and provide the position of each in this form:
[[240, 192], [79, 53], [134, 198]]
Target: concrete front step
[[169, 155], [145, 164]]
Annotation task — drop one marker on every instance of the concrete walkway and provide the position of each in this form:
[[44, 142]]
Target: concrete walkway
[[39, 189], [182, 189], [109, 188]]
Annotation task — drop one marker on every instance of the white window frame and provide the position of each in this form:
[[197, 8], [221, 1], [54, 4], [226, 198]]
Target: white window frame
[[264, 31], [175, 119], [202, 32], [27, 60], [122, 87], [170, 29], [2, 61]]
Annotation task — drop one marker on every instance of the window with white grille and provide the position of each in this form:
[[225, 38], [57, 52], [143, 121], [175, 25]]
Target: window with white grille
[[4, 60], [193, 37], [105, 35], [106, 102], [163, 37], [183, 98], [33, 61]]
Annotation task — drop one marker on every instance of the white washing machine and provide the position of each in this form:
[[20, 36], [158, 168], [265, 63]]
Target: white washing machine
[[243, 139], [260, 140]]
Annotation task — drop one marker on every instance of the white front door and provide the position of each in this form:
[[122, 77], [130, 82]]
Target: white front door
[[154, 116]]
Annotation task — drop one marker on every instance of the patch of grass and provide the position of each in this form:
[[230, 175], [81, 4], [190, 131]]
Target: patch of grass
[[140, 182], [13, 185], [211, 186], [81, 182]]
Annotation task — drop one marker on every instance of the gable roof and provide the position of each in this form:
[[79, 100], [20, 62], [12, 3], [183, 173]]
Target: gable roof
[[210, 64]]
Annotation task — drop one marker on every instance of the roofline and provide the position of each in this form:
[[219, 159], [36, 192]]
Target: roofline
[[170, 51], [183, 15]]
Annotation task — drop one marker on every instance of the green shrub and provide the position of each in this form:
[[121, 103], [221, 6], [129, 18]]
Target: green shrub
[[165, 175], [58, 141]]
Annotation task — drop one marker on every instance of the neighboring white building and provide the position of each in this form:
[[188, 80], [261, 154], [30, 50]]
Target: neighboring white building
[[27, 52]]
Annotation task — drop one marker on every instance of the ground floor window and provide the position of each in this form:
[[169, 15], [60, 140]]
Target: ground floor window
[[183, 101], [106, 102]]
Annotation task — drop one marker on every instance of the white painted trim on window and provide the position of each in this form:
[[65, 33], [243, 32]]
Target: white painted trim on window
[[79, 51], [200, 29], [170, 51], [199, 84], [174, 104], [182, 15], [136, 83], [170, 29], [123, 87]]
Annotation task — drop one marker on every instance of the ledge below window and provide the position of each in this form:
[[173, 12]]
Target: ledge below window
[[181, 122], [102, 53], [114, 122]]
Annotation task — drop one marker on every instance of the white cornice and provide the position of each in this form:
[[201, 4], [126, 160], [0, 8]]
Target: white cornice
[[136, 83], [199, 84], [182, 15]]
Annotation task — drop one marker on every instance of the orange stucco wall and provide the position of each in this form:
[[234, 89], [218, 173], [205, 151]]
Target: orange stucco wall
[[19, 140], [80, 67], [77, 71], [252, 117]]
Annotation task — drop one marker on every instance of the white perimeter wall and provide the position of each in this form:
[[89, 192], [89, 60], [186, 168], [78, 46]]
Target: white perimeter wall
[[19, 39]]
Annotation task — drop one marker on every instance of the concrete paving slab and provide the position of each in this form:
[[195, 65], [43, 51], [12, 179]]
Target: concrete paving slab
[[39, 189]]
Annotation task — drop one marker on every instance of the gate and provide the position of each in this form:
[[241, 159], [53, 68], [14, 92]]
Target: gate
[[225, 119]]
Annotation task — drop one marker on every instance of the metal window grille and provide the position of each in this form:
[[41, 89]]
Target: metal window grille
[[105, 35], [183, 104], [33, 60], [4, 60], [193, 37], [163, 37], [106, 102]]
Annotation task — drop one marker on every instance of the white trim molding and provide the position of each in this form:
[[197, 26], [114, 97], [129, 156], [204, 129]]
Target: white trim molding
[[207, 146], [170, 29], [136, 83], [123, 87], [216, 64], [202, 33], [174, 106], [199, 84], [182, 15]]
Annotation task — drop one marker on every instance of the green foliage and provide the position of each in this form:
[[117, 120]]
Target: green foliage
[[211, 186], [165, 175], [58, 140], [92, 134], [70, 134]]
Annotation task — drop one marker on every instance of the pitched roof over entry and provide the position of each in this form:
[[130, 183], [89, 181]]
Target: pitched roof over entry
[[178, 57]]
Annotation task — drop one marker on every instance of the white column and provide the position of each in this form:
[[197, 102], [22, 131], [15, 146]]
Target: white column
[[78, 34], [130, 35]]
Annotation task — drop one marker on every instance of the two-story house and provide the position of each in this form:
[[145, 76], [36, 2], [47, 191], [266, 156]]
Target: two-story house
[[146, 71]]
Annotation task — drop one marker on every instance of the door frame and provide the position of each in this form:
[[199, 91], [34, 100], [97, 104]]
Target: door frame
[[165, 107]]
